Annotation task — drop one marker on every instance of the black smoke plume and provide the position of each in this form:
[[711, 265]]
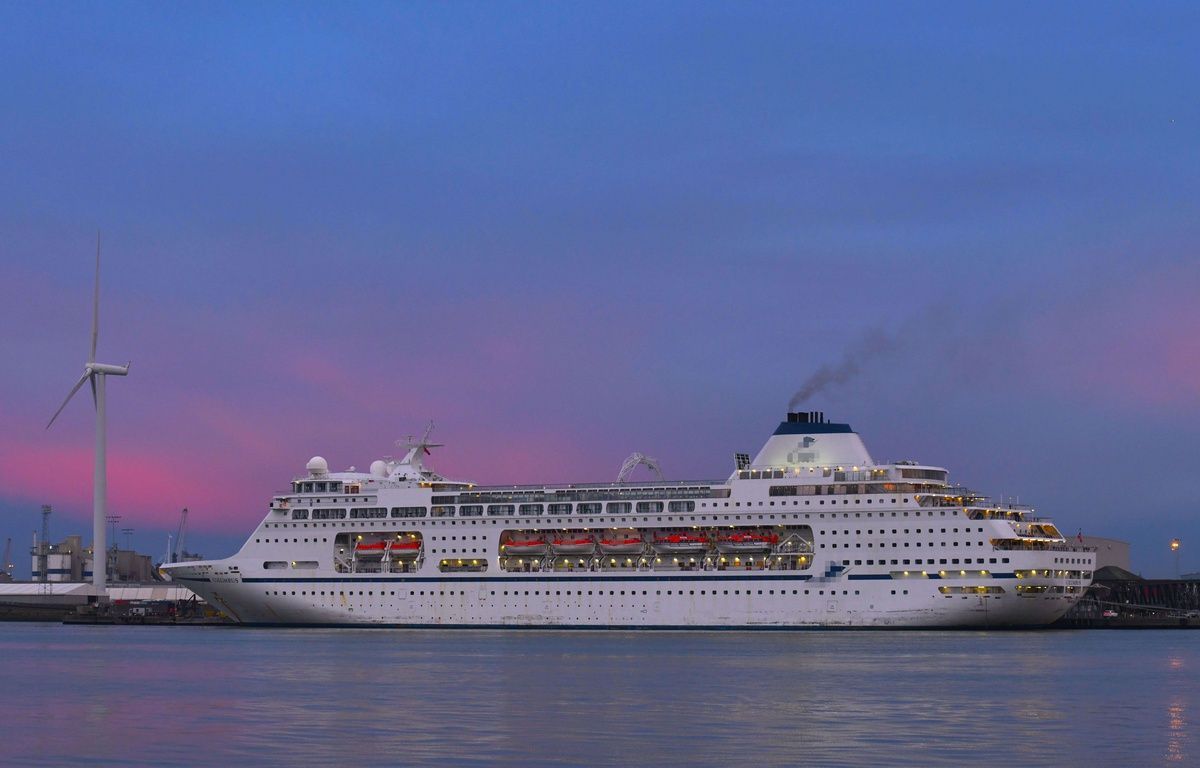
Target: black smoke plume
[[873, 344]]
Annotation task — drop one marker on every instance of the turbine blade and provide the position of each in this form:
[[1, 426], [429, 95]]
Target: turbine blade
[[96, 303], [87, 375], [95, 402]]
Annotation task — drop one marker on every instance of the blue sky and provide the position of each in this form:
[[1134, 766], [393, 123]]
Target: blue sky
[[567, 232]]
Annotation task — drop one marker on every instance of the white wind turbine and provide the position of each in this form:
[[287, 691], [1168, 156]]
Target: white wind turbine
[[95, 373]]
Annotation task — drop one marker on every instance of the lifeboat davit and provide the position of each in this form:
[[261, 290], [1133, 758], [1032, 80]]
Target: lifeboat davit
[[525, 547], [738, 543], [681, 544], [628, 545], [573, 545]]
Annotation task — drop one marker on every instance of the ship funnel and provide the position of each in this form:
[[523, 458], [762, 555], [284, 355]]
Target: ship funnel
[[807, 417]]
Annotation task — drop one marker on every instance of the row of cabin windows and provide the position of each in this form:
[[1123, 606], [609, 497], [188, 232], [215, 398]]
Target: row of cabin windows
[[561, 593], [906, 544], [918, 530], [560, 508], [495, 510], [332, 514], [930, 561], [840, 475], [358, 513], [841, 489], [653, 507], [320, 486], [583, 508]]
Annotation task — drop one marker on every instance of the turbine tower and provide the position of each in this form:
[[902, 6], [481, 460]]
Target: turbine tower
[[95, 374]]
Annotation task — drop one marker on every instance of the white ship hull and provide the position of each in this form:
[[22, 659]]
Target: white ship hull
[[876, 546], [620, 603]]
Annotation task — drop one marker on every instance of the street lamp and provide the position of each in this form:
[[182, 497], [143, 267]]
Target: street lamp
[[1175, 548]]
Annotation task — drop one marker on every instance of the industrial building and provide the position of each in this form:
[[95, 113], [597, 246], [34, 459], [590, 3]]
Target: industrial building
[[71, 561], [1109, 552]]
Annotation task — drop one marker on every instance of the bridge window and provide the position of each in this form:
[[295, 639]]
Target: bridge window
[[329, 514]]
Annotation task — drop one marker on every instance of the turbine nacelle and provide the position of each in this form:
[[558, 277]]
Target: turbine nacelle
[[106, 369]]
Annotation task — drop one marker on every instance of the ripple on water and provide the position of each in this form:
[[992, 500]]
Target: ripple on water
[[177, 696]]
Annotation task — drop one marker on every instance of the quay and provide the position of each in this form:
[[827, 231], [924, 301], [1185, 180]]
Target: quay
[[76, 603]]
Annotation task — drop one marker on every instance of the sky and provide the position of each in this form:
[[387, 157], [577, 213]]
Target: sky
[[565, 232]]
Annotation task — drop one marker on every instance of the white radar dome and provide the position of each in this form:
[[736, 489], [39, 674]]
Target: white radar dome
[[317, 466], [379, 468]]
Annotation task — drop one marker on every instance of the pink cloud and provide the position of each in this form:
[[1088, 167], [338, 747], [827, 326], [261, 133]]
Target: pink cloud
[[1126, 342], [144, 488]]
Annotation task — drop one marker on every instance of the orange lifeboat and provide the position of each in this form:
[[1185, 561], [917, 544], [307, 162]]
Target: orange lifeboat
[[370, 548], [681, 544], [626, 545], [534, 546], [573, 545], [406, 548], [738, 543]]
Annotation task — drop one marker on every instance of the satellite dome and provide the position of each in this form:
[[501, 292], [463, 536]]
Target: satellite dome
[[317, 466], [379, 468]]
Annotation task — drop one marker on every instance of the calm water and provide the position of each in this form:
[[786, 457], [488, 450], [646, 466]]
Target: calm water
[[177, 696]]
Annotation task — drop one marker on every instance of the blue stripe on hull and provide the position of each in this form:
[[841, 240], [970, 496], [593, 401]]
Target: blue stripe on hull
[[734, 576]]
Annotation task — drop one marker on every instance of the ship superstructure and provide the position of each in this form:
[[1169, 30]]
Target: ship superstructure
[[811, 532]]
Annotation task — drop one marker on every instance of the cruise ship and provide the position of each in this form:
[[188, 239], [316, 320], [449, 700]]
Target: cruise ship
[[810, 533]]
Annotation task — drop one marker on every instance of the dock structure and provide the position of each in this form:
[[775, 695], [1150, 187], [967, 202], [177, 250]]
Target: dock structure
[[1119, 599], [155, 602]]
